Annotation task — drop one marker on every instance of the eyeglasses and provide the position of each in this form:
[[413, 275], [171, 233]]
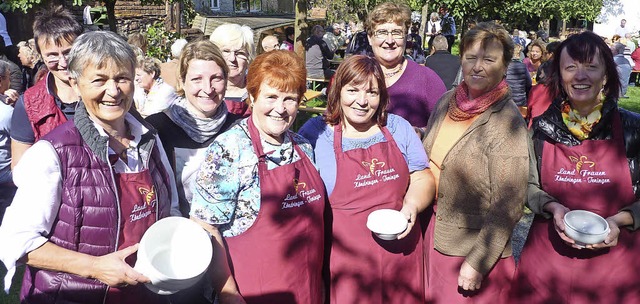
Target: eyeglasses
[[383, 34], [240, 54], [53, 59]]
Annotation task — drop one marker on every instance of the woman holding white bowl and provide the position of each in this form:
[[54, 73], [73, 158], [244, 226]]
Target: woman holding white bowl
[[370, 160], [586, 158]]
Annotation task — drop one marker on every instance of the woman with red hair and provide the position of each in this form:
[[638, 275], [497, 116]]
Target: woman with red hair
[[259, 194]]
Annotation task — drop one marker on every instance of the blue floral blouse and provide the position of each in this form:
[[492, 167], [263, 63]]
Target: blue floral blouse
[[227, 188]]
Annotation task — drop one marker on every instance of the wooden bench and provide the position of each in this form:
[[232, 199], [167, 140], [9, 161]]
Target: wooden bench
[[317, 110], [311, 94], [317, 84]]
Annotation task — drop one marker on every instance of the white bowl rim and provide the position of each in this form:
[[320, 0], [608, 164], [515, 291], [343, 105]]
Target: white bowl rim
[[390, 212], [174, 221], [594, 215]]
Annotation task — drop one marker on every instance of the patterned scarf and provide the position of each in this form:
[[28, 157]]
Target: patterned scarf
[[198, 129], [463, 108], [580, 126]]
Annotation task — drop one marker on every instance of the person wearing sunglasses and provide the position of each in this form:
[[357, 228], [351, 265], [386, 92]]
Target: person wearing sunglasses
[[413, 89]]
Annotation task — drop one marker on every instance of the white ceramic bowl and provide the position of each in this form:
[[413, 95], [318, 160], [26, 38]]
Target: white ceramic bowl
[[174, 253], [387, 224], [585, 227]]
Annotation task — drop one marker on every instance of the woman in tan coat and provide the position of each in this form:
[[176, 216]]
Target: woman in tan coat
[[477, 147]]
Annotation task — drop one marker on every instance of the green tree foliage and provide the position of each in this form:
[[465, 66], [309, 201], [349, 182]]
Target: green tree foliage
[[160, 41], [508, 11]]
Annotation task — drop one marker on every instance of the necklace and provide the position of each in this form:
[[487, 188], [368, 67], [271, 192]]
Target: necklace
[[395, 71]]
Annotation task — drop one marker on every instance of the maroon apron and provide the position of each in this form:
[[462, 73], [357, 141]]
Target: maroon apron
[[442, 273], [364, 268], [592, 176], [279, 258], [138, 211], [238, 106]]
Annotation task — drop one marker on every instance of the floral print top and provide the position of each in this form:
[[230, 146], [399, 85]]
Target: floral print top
[[227, 188]]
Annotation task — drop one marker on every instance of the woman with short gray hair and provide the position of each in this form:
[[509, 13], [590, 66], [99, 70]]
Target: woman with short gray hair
[[79, 211]]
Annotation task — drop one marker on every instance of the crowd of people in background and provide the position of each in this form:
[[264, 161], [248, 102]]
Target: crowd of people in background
[[99, 141]]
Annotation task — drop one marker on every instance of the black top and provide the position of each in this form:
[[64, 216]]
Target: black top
[[445, 65]]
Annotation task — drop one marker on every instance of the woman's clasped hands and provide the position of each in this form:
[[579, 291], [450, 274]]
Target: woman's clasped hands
[[558, 211]]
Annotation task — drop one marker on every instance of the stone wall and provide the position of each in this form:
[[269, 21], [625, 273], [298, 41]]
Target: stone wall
[[131, 15]]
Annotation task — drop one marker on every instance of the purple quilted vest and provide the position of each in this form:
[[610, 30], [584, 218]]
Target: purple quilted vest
[[88, 219]]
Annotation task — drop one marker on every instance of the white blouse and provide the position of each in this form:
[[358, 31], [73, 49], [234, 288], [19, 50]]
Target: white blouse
[[35, 206]]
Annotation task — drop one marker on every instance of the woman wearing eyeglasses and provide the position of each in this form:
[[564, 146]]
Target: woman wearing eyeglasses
[[413, 89], [238, 50]]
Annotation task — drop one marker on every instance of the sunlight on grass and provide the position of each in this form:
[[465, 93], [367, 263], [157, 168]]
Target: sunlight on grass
[[633, 102]]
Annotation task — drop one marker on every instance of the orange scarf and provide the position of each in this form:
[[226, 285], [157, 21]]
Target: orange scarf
[[463, 108]]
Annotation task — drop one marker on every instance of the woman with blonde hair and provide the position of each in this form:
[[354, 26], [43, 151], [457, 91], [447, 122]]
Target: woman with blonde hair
[[535, 56], [31, 64], [188, 126], [238, 49]]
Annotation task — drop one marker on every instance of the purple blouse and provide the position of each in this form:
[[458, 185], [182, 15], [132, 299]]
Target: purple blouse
[[415, 94]]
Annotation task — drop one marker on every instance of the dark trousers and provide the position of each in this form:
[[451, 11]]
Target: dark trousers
[[7, 191], [450, 40], [430, 44]]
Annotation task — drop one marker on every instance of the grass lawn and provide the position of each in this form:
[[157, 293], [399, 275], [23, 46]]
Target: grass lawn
[[633, 102], [12, 297]]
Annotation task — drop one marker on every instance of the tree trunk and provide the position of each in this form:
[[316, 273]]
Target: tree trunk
[[423, 24], [564, 28], [111, 14], [301, 28]]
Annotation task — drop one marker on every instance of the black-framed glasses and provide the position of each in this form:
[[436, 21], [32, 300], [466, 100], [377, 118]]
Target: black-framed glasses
[[383, 34]]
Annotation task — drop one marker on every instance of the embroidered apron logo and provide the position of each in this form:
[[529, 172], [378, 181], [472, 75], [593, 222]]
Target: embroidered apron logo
[[298, 185], [145, 209], [584, 172], [149, 195], [301, 197], [581, 162], [376, 174], [373, 164]]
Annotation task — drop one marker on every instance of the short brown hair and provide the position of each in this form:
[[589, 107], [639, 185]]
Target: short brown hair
[[202, 50], [485, 33], [55, 24], [388, 12], [280, 69], [357, 69]]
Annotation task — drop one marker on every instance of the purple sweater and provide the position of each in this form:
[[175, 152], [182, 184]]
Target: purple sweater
[[415, 94]]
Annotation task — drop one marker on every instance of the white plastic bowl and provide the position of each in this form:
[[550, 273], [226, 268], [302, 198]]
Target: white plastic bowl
[[174, 253], [585, 227], [387, 224]]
